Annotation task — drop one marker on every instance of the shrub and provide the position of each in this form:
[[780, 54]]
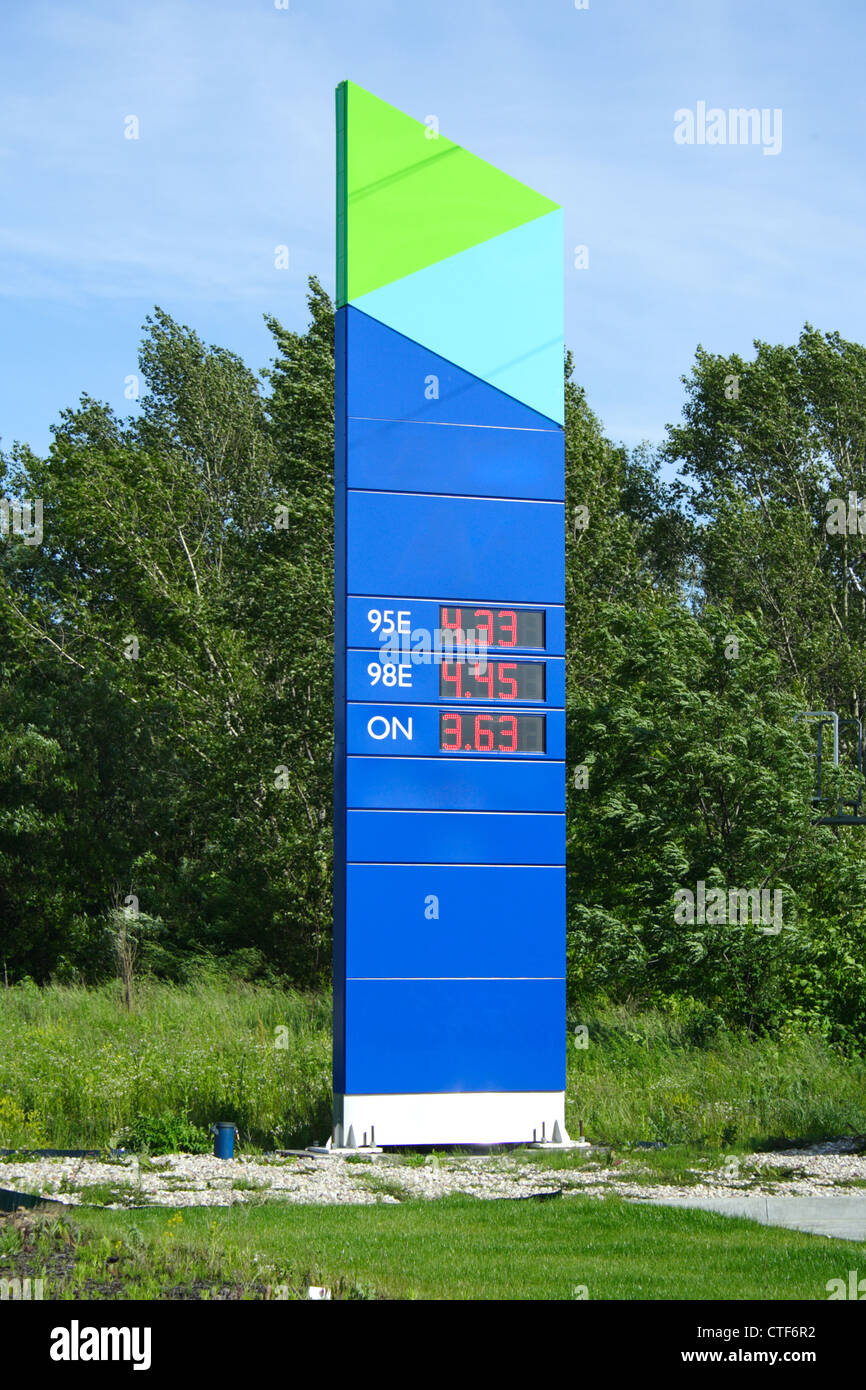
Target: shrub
[[19, 1128], [165, 1134]]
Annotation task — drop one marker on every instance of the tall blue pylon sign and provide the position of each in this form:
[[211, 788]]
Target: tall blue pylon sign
[[449, 839]]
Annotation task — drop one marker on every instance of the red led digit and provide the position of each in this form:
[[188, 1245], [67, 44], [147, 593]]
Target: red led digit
[[504, 666], [452, 680], [485, 678], [483, 733], [454, 732], [486, 625], [508, 727], [456, 624], [508, 624]]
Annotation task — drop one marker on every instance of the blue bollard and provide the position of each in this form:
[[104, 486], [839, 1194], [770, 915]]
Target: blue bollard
[[224, 1139]]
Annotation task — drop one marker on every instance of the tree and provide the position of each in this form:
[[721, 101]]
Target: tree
[[698, 771], [166, 658], [766, 445]]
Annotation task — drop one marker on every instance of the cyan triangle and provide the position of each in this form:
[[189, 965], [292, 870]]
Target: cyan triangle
[[495, 311], [394, 378]]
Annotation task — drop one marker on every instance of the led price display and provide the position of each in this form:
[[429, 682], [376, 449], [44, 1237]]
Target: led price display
[[491, 733], [495, 627], [492, 680]]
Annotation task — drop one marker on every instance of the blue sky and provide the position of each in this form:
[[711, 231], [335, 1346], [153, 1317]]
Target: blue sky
[[688, 244]]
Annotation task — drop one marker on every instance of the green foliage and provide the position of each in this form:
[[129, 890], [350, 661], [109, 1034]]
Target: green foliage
[[471, 1250], [78, 1071], [165, 1134], [699, 771], [765, 444], [678, 1075], [87, 1072], [19, 1129], [696, 635], [165, 676]]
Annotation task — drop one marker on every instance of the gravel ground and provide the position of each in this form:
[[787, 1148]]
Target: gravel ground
[[181, 1180]]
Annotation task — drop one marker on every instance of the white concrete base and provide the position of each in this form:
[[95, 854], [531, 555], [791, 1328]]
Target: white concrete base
[[455, 1117], [563, 1144], [330, 1149]]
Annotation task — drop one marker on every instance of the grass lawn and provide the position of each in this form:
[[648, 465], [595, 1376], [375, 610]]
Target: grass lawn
[[452, 1248]]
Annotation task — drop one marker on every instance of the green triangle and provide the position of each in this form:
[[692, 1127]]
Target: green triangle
[[406, 200]]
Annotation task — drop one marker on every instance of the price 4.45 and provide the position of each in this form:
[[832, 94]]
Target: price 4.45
[[492, 680]]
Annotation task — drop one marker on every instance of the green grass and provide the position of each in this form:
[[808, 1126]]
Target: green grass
[[455, 1248], [383, 1186], [76, 1071], [76, 1068], [652, 1075]]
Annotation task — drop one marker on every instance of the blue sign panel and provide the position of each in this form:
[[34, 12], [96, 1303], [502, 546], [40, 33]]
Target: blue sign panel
[[449, 956], [480, 928], [454, 837]]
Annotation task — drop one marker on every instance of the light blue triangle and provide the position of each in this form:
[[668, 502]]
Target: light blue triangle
[[495, 310]]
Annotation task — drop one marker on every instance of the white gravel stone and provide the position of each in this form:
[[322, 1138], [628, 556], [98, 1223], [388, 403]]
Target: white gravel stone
[[181, 1180]]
